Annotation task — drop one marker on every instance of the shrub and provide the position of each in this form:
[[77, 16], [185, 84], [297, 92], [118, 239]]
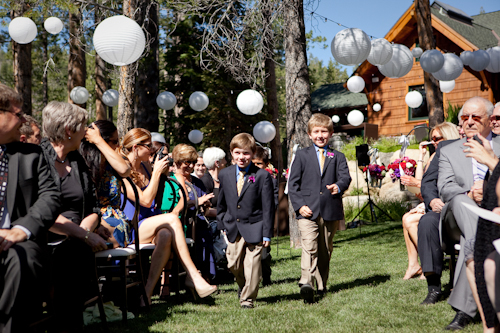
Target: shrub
[[357, 191], [395, 208]]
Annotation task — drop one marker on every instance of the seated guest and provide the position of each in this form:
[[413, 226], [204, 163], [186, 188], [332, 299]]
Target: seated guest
[[199, 168], [158, 141], [99, 151], [72, 257], [33, 205], [495, 119], [30, 131], [443, 131], [164, 230], [461, 180]]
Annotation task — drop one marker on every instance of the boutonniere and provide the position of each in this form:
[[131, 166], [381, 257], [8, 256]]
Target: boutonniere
[[330, 154], [251, 179]]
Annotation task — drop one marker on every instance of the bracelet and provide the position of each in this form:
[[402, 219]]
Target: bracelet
[[420, 161], [86, 238]]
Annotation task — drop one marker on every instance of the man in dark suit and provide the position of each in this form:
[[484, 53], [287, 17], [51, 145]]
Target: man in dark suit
[[318, 176], [29, 204], [245, 209]]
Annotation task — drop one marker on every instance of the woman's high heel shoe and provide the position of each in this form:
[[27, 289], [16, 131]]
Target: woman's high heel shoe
[[202, 292]]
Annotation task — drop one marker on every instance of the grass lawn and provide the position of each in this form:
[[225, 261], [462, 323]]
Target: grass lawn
[[366, 293]]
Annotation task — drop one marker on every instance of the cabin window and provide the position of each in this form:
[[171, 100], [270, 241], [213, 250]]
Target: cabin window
[[421, 112]]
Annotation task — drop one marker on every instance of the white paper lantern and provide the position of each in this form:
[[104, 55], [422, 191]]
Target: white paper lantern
[[119, 40], [351, 46], [22, 30], [431, 61], [79, 95], [355, 117], [264, 131], [414, 99], [480, 60], [400, 64], [356, 84], [335, 119], [452, 68], [377, 107], [447, 86], [195, 136], [53, 25], [494, 66], [249, 102], [466, 57], [380, 53], [111, 97], [166, 100], [198, 101], [417, 52]]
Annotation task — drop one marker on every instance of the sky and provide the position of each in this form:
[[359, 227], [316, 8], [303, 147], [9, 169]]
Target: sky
[[375, 18]]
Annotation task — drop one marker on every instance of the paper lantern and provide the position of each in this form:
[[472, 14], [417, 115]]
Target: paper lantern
[[264, 131], [480, 60], [22, 30], [110, 97], [380, 53], [198, 101], [356, 84], [431, 61], [79, 95], [466, 57], [400, 64], [377, 107], [417, 52], [119, 40], [452, 68], [447, 86], [355, 118], [351, 46], [414, 99], [335, 119], [53, 25], [195, 136], [249, 102], [166, 100], [494, 66]]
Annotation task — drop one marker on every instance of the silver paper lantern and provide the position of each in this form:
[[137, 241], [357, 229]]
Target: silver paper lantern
[[264, 131], [111, 97], [249, 102], [494, 66], [198, 101], [447, 86], [355, 117], [431, 61], [355, 84], [377, 107], [351, 46], [380, 53], [79, 95], [414, 99], [53, 25], [195, 136], [22, 30], [480, 60], [452, 68], [466, 57], [166, 100], [119, 40], [417, 52], [400, 64], [335, 119]]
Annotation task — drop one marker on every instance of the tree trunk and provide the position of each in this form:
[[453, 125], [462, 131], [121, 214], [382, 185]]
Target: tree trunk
[[77, 66], [45, 46], [148, 79], [433, 94], [22, 65], [101, 83], [298, 90]]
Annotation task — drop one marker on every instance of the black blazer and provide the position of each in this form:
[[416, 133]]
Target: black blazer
[[307, 187], [252, 213], [33, 199]]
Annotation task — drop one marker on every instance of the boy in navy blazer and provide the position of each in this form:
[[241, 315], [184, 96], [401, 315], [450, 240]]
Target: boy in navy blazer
[[245, 209], [318, 177]]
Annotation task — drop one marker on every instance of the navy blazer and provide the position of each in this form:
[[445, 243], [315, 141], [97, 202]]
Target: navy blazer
[[252, 213], [307, 186]]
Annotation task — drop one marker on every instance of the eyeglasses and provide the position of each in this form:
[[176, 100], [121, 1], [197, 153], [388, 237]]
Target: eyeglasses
[[146, 145], [474, 117], [497, 118], [19, 114], [437, 138], [189, 162]]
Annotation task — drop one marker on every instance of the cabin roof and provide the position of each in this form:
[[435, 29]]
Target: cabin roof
[[335, 96]]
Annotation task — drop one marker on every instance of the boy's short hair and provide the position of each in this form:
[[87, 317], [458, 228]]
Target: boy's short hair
[[243, 141], [261, 154], [320, 120]]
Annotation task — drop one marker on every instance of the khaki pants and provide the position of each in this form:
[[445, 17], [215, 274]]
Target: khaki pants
[[317, 245], [243, 259]]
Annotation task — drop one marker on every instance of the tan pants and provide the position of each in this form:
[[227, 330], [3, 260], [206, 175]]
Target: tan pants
[[317, 245], [243, 259]]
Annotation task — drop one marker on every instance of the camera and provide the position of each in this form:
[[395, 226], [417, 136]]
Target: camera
[[160, 154]]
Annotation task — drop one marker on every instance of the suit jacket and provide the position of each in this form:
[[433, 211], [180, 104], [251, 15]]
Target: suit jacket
[[33, 199], [252, 213], [307, 186]]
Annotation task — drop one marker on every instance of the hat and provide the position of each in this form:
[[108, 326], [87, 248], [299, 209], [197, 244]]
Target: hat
[[157, 137]]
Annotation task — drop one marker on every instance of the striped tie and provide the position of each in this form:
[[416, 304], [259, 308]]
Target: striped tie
[[241, 181], [481, 171]]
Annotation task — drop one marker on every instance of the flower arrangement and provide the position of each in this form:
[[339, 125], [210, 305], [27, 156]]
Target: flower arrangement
[[376, 171], [272, 171], [285, 173], [405, 165]]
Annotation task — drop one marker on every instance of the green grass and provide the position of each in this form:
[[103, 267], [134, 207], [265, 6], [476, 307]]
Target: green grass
[[366, 294], [357, 191], [395, 208], [383, 144]]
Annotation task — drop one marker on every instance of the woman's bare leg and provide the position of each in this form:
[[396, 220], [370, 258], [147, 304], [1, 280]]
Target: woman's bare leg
[[409, 221], [472, 282]]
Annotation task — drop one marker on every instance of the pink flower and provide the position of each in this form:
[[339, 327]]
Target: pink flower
[[251, 179], [330, 154]]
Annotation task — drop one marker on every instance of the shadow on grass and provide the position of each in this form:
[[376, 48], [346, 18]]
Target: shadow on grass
[[366, 234], [368, 281]]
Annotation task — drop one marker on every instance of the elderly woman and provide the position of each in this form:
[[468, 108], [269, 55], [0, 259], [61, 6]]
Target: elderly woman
[[64, 126], [164, 230], [215, 161]]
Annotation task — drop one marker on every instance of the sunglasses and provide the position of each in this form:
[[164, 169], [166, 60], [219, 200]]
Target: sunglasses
[[497, 118], [148, 145], [189, 162], [437, 138], [19, 115], [474, 117]]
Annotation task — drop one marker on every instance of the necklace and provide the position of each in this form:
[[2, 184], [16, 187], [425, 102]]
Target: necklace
[[62, 162]]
